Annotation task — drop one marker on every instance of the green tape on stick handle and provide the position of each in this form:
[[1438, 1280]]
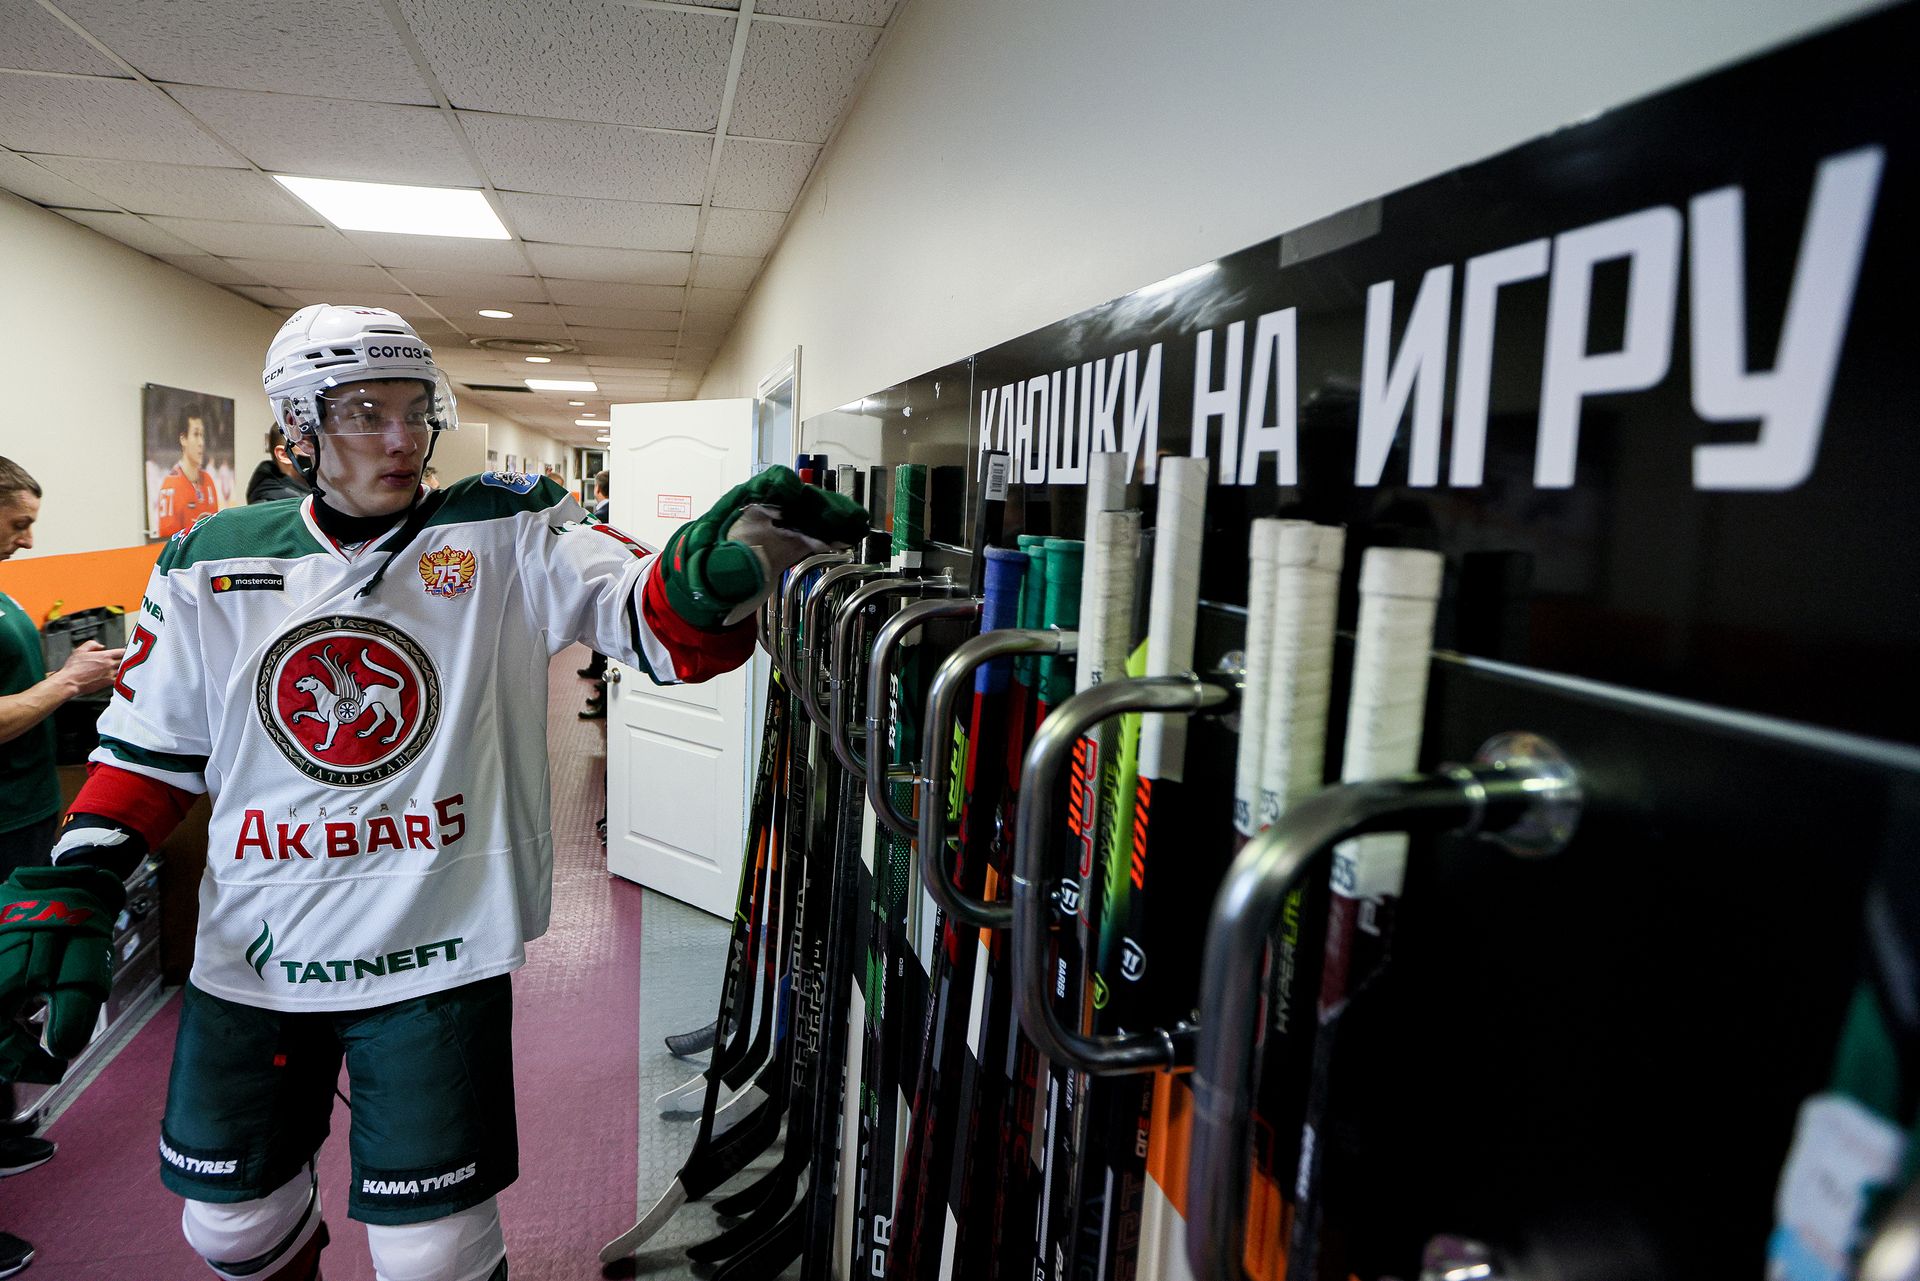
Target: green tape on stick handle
[[909, 514], [1033, 600], [1061, 609]]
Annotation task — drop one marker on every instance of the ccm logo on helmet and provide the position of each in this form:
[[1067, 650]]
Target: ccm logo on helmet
[[386, 352]]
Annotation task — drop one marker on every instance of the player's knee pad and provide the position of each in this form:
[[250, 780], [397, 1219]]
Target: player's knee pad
[[466, 1246], [277, 1237]]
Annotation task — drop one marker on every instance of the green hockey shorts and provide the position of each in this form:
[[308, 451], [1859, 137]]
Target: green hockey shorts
[[430, 1090]]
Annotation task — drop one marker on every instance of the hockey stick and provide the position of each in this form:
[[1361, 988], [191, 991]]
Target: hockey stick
[[684, 1045], [888, 949], [773, 734], [1143, 884], [1399, 592]]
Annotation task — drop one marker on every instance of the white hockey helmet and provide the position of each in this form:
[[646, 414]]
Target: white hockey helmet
[[323, 347]]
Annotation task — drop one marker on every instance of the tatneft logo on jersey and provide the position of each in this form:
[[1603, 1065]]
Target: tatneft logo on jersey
[[348, 701], [346, 969], [448, 572]]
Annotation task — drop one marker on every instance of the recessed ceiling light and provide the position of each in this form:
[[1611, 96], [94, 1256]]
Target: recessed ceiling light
[[576, 402], [539, 360], [605, 440], [589, 422], [494, 313], [561, 384], [386, 206]]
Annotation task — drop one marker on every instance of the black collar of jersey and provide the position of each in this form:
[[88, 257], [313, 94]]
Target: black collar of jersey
[[352, 530]]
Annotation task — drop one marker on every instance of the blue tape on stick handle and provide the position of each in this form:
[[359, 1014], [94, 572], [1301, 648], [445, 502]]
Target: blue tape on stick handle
[[1006, 572]]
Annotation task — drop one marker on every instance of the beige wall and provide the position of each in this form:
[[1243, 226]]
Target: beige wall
[[1011, 163], [84, 323]]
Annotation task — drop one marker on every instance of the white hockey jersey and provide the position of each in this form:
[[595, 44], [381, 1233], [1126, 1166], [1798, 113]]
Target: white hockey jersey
[[378, 763]]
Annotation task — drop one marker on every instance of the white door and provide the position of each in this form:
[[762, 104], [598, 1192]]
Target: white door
[[677, 755]]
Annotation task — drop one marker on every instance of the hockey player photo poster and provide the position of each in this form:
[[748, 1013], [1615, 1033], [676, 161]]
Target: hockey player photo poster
[[188, 438]]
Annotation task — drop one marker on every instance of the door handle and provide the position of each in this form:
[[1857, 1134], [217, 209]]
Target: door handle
[[1523, 795]]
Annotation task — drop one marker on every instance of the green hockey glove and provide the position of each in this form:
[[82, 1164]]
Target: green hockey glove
[[56, 931], [718, 568]]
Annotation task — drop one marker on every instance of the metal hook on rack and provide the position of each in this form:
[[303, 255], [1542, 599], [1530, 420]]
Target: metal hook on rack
[[1521, 794], [1047, 756], [815, 653], [879, 707], [787, 613], [846, 624], [949, 682]]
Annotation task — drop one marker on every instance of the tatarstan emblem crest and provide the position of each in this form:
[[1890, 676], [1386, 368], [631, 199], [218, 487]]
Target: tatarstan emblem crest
[[448, 573]]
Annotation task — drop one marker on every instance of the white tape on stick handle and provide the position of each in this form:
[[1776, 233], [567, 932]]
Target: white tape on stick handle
[[1306, 604], [1393, 650]]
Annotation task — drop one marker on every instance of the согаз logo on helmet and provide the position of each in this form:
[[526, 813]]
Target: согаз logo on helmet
[[348, 701]]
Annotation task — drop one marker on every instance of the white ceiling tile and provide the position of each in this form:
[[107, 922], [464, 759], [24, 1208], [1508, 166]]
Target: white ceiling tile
[[721, 302], [137, 233], [611, 162], [872, 13], [442, 253], [796, 80], [503, 290], [216, 271], [741, 233], [632, 266], [614, 224], [761, 175], [465, 312], [699, 327], [266, 296], [110, 119], [621, 317], [329, 138], [345, 48], [601, 334], [29, 181], [266, 240], [184, 191], [601, 293], [339, 282], [725, 273], [31, 39], [626, 347], [627, 364], [584, 60]]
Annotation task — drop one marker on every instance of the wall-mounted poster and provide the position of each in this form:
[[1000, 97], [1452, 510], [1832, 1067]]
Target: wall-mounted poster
[[189, 451], [513, 463]]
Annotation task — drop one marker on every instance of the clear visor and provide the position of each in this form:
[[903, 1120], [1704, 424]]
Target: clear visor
[[375, 406]]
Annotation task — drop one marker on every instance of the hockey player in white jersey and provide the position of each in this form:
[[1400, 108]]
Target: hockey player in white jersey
[[358, 680]]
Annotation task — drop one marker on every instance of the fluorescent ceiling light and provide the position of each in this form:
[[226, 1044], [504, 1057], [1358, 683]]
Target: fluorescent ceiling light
[[576, 402], [539, 360], [561, 384], [590, 422], [494, 313], [386, 206]]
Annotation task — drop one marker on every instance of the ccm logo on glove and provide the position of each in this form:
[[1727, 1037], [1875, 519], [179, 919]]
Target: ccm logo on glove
[[50, 910]]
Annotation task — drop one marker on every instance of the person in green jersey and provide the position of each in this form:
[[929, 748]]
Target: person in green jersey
[[29, 786]]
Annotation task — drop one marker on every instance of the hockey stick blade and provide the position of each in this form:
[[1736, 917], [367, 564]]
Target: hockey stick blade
[[684, 1044], [651, 1222], [777, 1202], [737, 1109], [770, 1255], [688, 1096]]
